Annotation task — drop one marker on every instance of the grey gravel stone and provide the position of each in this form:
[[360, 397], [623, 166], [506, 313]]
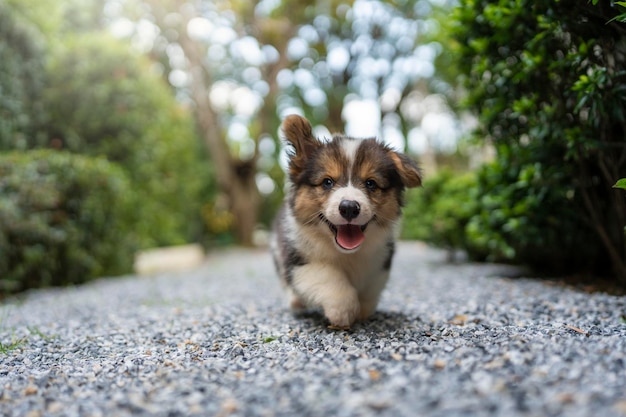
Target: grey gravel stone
[[448, 340]]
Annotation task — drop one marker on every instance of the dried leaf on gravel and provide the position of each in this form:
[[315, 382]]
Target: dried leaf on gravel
[[577, 330]]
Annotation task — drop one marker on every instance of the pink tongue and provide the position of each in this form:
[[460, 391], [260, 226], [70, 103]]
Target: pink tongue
[[349, 236]]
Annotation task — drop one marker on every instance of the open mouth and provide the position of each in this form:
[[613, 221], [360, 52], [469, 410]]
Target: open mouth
[[348, 236]]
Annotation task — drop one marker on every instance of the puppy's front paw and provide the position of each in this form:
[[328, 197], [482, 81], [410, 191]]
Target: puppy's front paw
[[368, 307], [343, 316]]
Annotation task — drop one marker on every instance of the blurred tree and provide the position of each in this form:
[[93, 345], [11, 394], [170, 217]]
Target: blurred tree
[[44, 16], [54, 18], [376, 63], [383, 51], [203, 46], [92, 95], [246, 65], [21, 78], [66, 85], [548, 80], [104, 100]]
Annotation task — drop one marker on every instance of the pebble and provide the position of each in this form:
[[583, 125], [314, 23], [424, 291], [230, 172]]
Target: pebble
[[448, 340]]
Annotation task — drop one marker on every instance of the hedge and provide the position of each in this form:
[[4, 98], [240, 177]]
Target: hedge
[[548, 82], [64, 219], [440, 211]]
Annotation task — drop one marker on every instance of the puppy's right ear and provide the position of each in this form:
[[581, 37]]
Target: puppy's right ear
[[298, 133]]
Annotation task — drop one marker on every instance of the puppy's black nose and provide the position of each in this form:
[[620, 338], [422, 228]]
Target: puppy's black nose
[[349, 209]]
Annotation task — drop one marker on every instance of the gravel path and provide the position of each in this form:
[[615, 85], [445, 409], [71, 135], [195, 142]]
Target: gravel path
[[448, 340]]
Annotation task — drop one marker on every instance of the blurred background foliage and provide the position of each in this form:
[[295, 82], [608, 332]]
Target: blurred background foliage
[[55, 228], [548, 80], [157, 121], [134, 122]]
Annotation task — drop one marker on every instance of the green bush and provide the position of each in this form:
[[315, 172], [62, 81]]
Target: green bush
[[102, 99], [440, 211], [64, 219], [105, 100], [547, 80], [523, 217], [495, 215]]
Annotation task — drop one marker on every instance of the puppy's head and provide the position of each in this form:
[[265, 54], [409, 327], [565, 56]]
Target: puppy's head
[[346, 187]]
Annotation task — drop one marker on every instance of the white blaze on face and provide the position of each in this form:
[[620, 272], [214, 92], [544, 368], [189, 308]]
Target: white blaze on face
[[350, 149], [349, 231]]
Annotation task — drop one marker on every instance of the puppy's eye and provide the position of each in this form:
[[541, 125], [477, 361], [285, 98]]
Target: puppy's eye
[[328, 183], [371, 185]]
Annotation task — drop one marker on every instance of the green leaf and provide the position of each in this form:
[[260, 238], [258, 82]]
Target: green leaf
[[620, 184], [620, 18]]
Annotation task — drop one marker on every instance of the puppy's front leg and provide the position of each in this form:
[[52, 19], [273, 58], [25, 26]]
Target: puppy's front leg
[[327, 287], [369, 296]]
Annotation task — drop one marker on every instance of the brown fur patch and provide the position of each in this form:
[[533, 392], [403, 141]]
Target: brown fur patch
[[386, 206], [373, 163], [311, 195], [407, 168], [308, 203], [331, 163]]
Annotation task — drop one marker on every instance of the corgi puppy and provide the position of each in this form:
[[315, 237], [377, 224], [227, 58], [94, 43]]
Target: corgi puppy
[[333, 239]]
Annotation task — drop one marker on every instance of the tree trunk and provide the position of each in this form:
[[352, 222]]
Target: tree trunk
[[245, 203], [235, 178]]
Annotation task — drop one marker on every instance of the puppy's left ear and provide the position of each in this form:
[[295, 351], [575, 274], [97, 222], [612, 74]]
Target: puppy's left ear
[[407, 169]]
